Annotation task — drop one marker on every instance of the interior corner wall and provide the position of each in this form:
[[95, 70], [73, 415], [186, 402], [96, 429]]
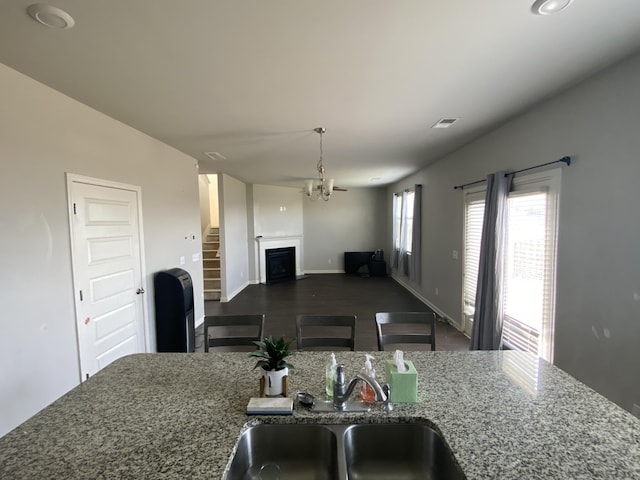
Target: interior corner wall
[[214, 208], [44, 135], [205, 203], [234, 247], [597, 329], [350, 221]]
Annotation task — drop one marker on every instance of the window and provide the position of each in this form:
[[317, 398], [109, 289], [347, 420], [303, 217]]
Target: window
[[474, 215], [529, 277], [397, 216], [403, 220], [408, 223]]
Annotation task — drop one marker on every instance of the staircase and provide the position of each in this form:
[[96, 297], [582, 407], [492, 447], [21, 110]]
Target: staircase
[[211, 264]]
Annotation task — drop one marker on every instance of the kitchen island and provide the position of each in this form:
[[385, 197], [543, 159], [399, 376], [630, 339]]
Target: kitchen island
[[505, 415]]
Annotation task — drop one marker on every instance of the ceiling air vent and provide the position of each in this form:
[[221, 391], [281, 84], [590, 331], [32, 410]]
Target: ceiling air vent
[[215, 155], [445, 122]]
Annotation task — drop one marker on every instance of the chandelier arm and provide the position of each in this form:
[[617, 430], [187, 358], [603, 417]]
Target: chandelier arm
[[320, 164], [325, 187]]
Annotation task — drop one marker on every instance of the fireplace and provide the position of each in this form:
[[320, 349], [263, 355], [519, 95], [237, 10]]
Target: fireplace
[[280, 264]]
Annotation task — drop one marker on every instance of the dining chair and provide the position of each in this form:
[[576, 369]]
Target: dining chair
[[406, 328], [232, 330], [319, 331]]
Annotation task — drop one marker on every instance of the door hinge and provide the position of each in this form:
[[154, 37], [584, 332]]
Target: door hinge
[[81, 295], [75, 212]]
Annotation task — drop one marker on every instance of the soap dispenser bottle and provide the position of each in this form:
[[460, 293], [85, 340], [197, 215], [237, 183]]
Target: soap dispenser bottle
[[330, 372], [366, 392]]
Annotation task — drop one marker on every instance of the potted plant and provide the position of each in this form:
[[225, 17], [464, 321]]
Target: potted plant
[[271, 354]]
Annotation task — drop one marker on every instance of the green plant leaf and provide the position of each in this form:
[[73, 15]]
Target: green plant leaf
[[272, 352]]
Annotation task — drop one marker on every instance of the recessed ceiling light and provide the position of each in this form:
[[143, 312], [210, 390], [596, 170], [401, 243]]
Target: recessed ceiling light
[[445, 122], [549, 7], [51, 16]]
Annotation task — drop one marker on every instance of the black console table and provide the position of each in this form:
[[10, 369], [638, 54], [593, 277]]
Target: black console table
[[354, 261]]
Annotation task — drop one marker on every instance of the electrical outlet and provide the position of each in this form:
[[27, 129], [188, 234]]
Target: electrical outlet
[[636, 410], [437, 291], [454, 254], [329, 261]]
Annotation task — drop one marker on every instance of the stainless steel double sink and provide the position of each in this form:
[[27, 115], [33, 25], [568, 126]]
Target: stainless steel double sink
[[362, 451]]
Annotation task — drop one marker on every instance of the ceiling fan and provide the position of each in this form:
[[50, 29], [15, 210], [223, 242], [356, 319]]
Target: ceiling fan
[[323, 187]]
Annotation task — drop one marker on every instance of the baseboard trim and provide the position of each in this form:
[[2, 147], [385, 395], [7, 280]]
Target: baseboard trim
[[228, 298], [429, 304], [309, 272]]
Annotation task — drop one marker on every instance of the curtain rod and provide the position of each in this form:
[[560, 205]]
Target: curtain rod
[[566, 160]]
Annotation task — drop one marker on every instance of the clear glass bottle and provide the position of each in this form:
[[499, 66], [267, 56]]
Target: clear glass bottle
[[329, 374]]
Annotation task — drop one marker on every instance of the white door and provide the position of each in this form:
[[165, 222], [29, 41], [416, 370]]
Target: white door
[[107, 271]]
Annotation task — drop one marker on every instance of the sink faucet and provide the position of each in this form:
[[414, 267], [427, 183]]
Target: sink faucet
[[343, 390]]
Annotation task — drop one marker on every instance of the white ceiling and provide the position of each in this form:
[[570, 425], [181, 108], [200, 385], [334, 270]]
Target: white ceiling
[[251, 79]]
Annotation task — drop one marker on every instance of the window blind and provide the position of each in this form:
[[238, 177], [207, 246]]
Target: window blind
[[528, 273], [397, 214], [410, 197], [473, 233]]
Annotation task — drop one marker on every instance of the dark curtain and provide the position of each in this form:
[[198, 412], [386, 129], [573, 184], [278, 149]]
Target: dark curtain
[[487, 321], [415, 266]]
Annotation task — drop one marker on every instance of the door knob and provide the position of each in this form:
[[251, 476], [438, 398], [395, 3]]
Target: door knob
[[140, 291]]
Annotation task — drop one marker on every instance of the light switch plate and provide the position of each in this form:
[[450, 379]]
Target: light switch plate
[[182, 260], [195, 257]]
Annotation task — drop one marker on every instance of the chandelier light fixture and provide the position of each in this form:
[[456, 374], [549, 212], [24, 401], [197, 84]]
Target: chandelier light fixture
[[322, 187]]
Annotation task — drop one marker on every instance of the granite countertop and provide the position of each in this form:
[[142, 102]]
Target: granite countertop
[[505, 415]]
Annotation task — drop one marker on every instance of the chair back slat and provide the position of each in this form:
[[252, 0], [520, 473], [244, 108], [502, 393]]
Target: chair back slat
[[214, 324], [406, 328], [325, 323]]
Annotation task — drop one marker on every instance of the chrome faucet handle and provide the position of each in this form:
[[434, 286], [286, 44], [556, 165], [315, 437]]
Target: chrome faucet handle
[[386, 388], [339, 379], [339, 387], [343, 389]]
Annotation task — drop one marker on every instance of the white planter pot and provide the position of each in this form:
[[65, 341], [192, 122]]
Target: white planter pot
[[273, 381]]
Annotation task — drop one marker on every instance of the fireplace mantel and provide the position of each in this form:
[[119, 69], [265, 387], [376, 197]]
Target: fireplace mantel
[[266, 243]]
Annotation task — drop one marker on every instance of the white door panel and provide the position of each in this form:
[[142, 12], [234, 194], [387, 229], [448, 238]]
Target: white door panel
[[101, 250], [107, 273], [127, 347]]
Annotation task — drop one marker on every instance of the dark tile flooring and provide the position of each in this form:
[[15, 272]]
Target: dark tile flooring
[[337, 294]]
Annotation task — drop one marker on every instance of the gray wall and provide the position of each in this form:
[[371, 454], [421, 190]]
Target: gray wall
[[598, 270], [43, 135], [277, 211], [350, 221]]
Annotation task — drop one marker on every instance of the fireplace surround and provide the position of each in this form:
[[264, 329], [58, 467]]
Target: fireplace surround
[[264, 243]]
